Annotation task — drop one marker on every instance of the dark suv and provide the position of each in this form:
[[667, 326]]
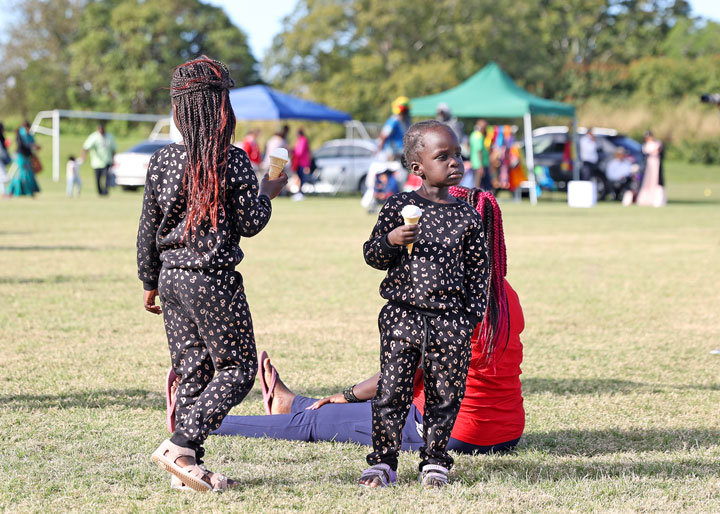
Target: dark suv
[[549, 143]]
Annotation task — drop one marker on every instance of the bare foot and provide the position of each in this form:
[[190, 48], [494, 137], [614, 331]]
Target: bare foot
[[282, 396]]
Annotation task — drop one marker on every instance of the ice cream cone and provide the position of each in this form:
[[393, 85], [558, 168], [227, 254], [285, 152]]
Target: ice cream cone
[[278, 160], [411, 221], [276, 166], [411, 214]]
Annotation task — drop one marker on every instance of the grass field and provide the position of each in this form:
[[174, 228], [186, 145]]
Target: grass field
[[622, 396]]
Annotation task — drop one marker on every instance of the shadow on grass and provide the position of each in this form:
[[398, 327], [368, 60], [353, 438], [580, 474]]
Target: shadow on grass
[[623, 468], [697, 201], [598, 442], [61, 279], [131, 398], [33, 248], [581, 386]]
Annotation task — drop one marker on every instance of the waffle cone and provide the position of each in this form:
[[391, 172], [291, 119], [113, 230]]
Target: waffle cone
[[276, 166], [411, 221]]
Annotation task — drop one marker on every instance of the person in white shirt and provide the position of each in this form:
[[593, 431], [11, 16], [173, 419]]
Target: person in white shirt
[[588, 155], [72, 176], [619, 167]]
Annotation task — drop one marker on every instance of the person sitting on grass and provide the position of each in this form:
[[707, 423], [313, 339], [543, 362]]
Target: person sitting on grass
[[385, 186], [201, 197], [491, 417]]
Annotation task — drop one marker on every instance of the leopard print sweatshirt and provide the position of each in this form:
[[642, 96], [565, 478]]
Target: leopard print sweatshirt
[[448, 268], [160, 239]]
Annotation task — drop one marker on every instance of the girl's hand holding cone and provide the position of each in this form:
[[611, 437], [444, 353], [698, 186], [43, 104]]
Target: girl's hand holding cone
[[404, 235]]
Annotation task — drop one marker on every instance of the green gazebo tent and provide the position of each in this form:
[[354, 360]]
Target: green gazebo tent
[[491, 93]]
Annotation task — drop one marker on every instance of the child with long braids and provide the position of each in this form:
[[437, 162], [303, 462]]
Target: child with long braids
[[201, 197], [436, 292]]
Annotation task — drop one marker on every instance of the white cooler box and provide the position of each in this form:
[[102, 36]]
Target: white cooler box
[[582, 193]]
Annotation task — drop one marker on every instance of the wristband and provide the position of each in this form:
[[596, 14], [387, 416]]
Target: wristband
[[350, 396]]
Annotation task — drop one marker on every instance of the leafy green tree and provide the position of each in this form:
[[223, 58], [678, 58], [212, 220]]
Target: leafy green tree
[[359, 54], [111, 55], [34, 54], [126, 50], [692, 38]]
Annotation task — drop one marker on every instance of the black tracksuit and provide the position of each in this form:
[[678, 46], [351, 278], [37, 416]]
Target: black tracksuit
[[207, 320], [435, 297]]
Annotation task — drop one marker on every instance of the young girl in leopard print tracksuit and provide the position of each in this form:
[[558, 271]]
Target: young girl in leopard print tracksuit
[[436, 295], [201, 196]]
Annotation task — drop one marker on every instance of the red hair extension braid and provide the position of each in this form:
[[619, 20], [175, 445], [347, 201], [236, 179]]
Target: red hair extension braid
[[494, 330], [200, 93]]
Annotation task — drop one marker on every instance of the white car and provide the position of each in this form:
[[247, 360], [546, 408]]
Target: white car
[[342, 165], [130, 168]]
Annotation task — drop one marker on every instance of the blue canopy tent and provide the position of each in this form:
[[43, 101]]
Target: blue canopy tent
[[266, 103]]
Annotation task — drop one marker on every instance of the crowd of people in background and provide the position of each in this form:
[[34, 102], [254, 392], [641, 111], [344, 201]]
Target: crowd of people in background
[[626, 182], [494, 160], [300, 167]]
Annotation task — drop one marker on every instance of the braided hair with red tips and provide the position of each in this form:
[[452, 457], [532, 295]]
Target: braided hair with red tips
[[494, 330], [200, 95]]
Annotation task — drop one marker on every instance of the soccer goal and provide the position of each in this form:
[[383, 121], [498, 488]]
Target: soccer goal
[[54, 130]]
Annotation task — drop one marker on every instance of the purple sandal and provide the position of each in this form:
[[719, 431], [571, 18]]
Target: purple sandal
[[433, 476], [381, 472]]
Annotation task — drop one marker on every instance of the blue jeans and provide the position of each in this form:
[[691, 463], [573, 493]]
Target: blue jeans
[[341, 422]]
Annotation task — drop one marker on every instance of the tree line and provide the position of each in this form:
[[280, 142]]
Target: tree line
[[357, 55], [111, 55], [362, 53]]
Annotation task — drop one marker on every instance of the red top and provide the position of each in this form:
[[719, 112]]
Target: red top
[[249, 144], [492, 410]]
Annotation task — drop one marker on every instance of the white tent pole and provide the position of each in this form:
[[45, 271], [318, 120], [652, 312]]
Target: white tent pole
[[574, 142], [56, 144], [529, 158]]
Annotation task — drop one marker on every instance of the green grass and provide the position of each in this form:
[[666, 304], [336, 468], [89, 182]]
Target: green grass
[[622, 397]]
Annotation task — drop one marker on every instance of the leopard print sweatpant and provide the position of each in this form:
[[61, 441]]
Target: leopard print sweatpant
[[442, 344], [212, 348]]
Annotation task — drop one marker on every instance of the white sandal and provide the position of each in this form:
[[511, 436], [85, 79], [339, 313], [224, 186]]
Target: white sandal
[[219, 481], [192, 476], [433, 475]]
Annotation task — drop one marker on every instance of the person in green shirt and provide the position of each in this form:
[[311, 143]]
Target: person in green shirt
[[480, 157], [101, 146]]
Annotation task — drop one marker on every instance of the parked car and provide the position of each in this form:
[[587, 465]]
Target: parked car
[[131, 166], [341, 165], [549, 143]]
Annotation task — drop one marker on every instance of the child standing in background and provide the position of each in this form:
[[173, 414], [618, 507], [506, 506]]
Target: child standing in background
[[72, 176], [436, 296], [201, 197]]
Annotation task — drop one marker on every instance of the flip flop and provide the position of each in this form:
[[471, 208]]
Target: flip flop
[[267, 390], [170, 401]]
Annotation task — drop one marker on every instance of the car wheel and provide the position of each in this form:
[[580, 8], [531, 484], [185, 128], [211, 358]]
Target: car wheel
[[601, 187], [361, 185], [130, 188]]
